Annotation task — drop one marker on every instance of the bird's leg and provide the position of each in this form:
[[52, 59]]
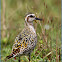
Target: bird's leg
[[19, 59], [29, 56]]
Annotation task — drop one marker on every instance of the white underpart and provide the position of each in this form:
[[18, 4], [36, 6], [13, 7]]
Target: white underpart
[[32, 29]]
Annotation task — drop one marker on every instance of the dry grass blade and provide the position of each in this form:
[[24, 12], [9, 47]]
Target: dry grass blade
[[56, 49], [48, 54]]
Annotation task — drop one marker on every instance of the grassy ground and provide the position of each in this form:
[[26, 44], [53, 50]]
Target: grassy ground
[[48, 30]]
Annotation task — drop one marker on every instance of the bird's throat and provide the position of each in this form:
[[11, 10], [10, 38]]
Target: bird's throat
[[29, 23]]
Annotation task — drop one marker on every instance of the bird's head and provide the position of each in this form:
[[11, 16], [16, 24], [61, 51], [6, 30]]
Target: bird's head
[[31, 17]]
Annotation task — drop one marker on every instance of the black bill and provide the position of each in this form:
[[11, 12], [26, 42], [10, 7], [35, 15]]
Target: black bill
[[38, 19]]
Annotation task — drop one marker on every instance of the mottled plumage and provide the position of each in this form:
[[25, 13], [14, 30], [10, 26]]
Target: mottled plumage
[[26, 40]]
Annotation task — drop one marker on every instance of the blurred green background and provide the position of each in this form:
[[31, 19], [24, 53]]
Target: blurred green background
[[48, 31]]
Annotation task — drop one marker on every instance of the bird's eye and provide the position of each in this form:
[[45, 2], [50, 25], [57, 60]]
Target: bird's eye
[[31, 16]]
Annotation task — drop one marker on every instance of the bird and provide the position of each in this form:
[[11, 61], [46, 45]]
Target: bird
[[26, 40]]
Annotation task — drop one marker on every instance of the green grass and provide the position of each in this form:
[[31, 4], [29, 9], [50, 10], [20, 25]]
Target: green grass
[[14, 16]]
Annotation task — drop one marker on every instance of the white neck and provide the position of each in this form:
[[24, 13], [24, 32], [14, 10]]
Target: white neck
[[32, 29], [30, 25]]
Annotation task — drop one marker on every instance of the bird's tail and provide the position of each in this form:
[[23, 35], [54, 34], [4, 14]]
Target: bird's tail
[[9, 56], [13, 54]]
